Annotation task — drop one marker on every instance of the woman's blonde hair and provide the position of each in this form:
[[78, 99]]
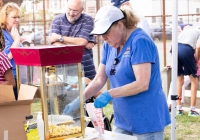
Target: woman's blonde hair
[[130, 18], [7, 9]]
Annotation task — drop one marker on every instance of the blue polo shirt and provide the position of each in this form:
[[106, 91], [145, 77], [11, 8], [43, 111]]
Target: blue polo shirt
[[147, 111], [8, 43], [81, 28]]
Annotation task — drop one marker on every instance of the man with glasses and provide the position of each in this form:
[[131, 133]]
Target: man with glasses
[[74, 27]]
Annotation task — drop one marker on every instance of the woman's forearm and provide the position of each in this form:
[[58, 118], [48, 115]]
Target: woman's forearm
[[14, 45]]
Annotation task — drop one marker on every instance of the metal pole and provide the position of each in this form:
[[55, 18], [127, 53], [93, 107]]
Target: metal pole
[[174, 66], [171, 15], [43, 95], [98, 37], [33, 21], [164, 32], [1, 3], [44, 19], [18, 78], [188, 11], [80, 75]]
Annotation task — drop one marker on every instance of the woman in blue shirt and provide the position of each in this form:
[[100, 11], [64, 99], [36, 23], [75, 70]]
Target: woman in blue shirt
[[9, 21], [130, 61]]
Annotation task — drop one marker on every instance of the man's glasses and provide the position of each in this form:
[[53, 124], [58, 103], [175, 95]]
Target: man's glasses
[[113, 70], [74, 11]]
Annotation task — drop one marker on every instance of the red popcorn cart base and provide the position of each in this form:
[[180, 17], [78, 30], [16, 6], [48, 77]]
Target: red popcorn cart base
[[53, 70]]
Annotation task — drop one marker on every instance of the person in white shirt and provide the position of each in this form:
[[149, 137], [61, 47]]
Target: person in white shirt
[[142, 23]]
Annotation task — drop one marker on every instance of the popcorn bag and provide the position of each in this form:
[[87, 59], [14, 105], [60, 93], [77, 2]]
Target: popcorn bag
[[96, 116]]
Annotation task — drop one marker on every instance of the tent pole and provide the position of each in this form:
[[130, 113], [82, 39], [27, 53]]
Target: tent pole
[[174, 66]]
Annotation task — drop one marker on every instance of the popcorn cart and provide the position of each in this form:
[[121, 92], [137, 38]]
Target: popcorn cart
[[58, 74]]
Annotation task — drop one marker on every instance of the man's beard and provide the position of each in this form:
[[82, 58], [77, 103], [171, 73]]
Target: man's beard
[[72, 20]]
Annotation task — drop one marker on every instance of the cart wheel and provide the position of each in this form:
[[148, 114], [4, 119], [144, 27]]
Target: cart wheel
[[107, 124], [111, 118]]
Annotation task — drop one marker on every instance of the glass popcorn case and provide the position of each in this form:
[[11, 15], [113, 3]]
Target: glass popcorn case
[[59, 76]]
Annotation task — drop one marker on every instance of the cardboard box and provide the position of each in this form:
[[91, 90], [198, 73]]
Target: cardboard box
[[13, 113]]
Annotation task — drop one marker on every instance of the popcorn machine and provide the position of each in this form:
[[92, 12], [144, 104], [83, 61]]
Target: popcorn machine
[[57, 72]]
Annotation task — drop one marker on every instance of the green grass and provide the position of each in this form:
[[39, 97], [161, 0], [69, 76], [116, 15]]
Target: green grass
[[35, 107], [187, 128], [108, 110]]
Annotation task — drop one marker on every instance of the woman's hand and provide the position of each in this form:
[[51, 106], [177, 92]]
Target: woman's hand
[[102, 100], [15, 34]]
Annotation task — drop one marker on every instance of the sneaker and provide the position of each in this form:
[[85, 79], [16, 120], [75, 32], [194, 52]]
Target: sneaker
[[179, 112], [193, 113]]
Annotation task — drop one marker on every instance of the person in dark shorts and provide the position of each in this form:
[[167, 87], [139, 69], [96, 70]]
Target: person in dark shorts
[[188, 46]]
